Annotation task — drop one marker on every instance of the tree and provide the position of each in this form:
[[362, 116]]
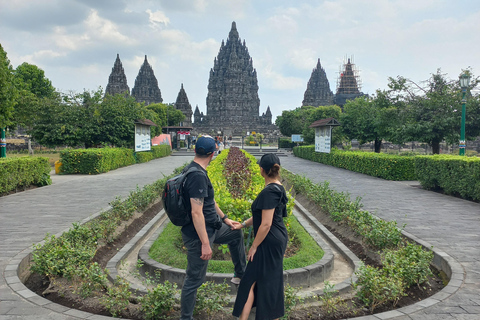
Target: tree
[[34, 80], [432, 113], [165, 115], [369, 119], [322, 112], [291, 122], [8, 91]]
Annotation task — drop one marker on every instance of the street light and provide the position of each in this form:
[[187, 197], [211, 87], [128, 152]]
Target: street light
[[464, 82]]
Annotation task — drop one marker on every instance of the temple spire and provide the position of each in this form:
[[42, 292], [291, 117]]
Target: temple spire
[[318, 91], [146, 85], [117, 81]]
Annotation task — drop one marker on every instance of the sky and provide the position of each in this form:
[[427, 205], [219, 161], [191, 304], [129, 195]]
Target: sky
[[76, 41]]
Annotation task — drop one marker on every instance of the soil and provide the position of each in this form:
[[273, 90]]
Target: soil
[[62, 292]]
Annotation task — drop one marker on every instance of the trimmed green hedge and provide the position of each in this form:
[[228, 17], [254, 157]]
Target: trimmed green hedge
[[156, 152], [94, 161], [389, 167], [161, 151], [455, 175], [20, 173]]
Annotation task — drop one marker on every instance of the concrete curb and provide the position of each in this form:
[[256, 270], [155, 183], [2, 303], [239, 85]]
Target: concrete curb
[[444, 262]]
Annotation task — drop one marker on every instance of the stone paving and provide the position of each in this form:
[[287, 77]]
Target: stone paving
[[449, 224]]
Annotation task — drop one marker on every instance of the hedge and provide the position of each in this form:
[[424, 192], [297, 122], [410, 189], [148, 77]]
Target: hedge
[[94, 161], [386, 166], [20, 173], [455, 175]]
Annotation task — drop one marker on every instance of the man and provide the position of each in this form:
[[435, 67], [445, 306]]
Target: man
[[209, 225]]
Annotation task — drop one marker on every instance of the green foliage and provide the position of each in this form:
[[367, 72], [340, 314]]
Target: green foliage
[[117, 298], [20, 173], [34, 80], [100, 160], [211, 298], [369, 119], [297, 121], [331, 303], [455, 175], [376, 288], [94, 161], [375, 232], [410, 262], [8, 91], [292, 300], [65, 255], [430, 112], [93, 278], [161, 151], [88, 119], [143, 156], [385, 166], [159, 301], [165, 115]]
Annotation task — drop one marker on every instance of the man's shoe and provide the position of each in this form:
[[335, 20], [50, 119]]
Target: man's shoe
[[236, 280]]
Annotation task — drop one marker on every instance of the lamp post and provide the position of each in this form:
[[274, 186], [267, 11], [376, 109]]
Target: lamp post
[[464, 82]]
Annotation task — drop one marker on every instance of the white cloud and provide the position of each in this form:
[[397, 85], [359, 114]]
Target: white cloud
[[157, 19], [103, 29]]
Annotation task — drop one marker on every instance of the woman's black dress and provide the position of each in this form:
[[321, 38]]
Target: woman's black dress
[[266, 269]]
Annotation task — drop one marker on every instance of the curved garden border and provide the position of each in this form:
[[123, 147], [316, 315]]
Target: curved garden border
[[17, 266]]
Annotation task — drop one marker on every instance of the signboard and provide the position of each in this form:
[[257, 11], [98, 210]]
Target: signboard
[[297, 138], [323, 139], [142, 137]]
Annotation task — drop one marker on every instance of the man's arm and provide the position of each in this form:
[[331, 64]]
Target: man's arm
[[199, 224]]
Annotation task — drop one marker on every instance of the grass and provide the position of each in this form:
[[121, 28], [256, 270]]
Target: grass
[[167, 249], [52, 157]]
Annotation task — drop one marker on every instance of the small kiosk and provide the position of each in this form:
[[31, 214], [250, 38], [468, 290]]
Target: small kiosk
[[142, 135], [323, 134], [178, 133]]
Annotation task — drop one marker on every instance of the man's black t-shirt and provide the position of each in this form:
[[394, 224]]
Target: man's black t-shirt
[[198, 185]]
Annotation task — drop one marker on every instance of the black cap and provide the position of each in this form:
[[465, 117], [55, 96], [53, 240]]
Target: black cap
[[205, 145], [268, 160]]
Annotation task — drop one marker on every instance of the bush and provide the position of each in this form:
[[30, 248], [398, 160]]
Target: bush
[[20, 173], [376, 288], [385, 166], [161, 151], [94, 161], [411, 262], [455, 175], [378, 233], [211, 298], [143, 156], [159, 301]]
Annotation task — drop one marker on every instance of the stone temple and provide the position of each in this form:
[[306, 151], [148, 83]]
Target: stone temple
[[318, 91], [117, 81], [183, 105], [146, 85], [232, 99], [348, 85]]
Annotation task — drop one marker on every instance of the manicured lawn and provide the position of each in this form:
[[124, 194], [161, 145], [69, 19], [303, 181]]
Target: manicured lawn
[[167, 249]]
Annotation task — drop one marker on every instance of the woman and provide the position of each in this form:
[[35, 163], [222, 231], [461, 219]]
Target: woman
[[262, 283]]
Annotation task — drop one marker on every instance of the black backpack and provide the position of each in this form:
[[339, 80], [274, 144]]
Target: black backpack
[[178, 208]]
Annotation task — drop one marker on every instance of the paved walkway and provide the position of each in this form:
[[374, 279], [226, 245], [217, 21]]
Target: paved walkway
[[449, 224]]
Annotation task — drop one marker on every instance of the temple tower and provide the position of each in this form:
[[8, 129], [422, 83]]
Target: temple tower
[[183, 105], [117, 81], [318, 91], [146, 85], [232, 99], [348, 84]]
